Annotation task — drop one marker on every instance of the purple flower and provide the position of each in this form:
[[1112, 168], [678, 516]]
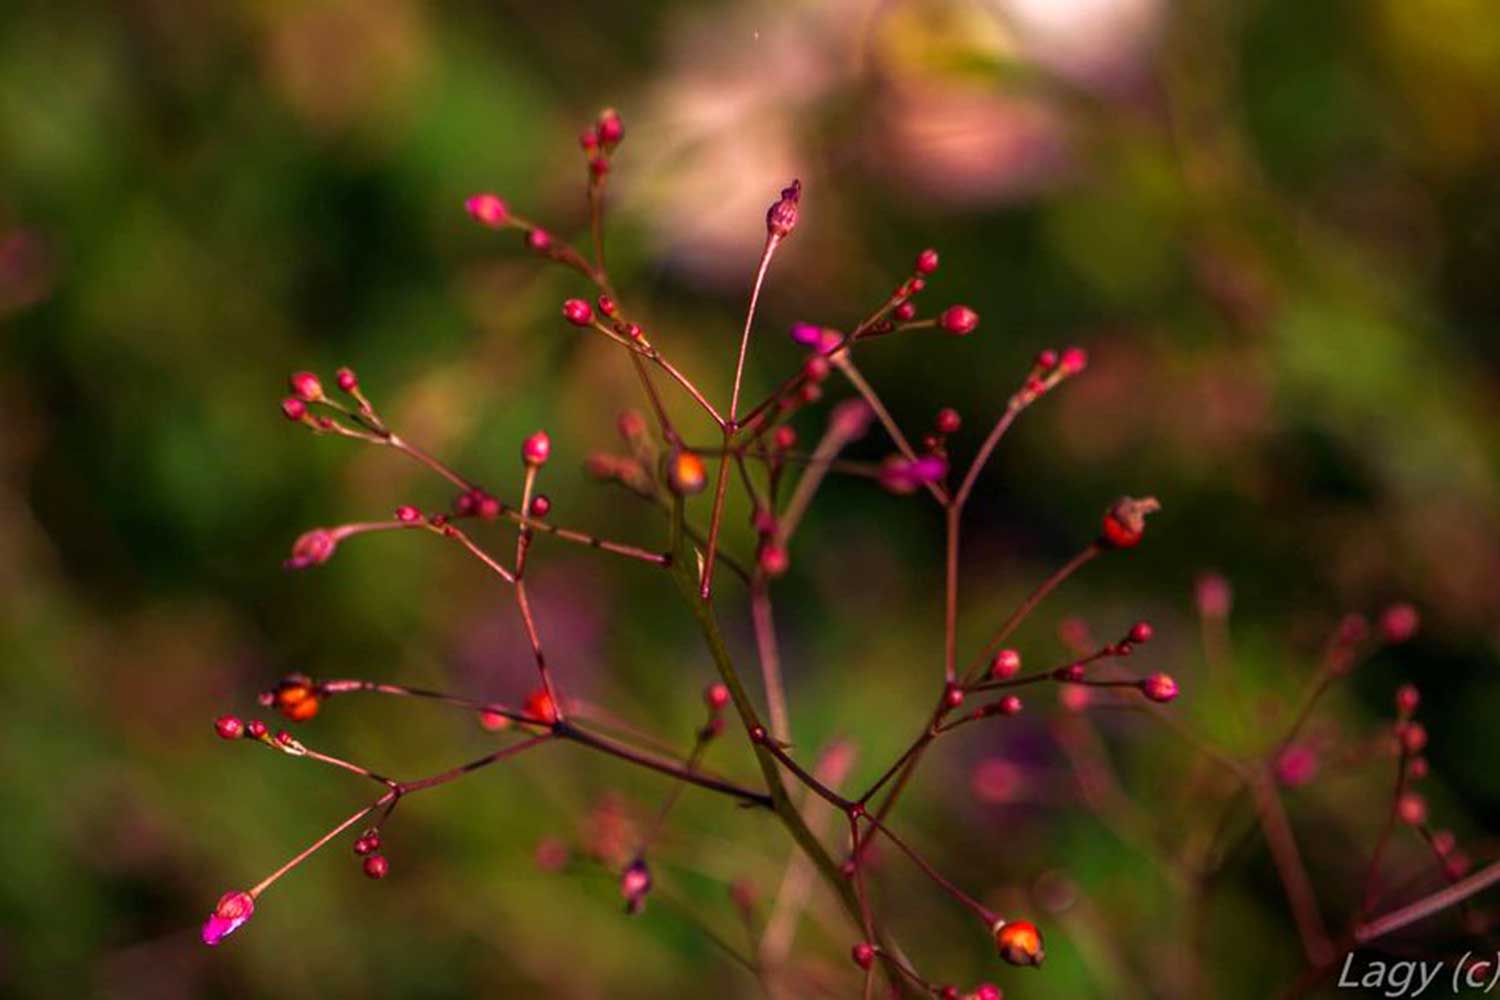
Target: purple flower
[[234, 909]]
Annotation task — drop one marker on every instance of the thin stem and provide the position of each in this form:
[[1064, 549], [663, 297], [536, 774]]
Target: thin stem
[[571, 731], [1428, 905], [772, 242], [845, 364], [1289, 866], [312, 848], [1372, 874], [449, 530], [1027, 606], [952, 519], [770, 658], [1012, 409], [452, 774]]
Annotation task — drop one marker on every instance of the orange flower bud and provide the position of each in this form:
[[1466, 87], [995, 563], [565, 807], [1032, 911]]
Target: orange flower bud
[[296, 698], [685, 473], [1019, 942]]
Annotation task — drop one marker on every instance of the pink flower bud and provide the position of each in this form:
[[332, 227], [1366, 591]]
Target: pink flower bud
[[1159, 688], [541, 506], [1413, 736], [608, 305], [948, 421], [1047, 360], [772, 559], [781, 218], [293, 409], [255, 729], [1005, 665], [927, 261], [610, 129], [1010, 705], [1140, 632], [1407, 699], [635, 884], [487, 210], [716, 696], [376, 866], [346, 379], [1297, 765], [988, 991], [538, 239], [863, 954], [1411, 809], [305, 386], [408, 514], [234, 909], [806, 334], [1073, 361], [229, 727], [536, 449], [578, 312], [1398, 623], [904, 311], [959, 320], [312, 548]]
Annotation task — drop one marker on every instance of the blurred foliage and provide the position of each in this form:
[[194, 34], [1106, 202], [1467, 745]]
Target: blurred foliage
[[1274, 224]]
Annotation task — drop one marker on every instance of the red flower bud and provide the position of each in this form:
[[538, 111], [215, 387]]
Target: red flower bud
[[538, 239], [610, 129], [539, 706], [312, 548], [1073, 361], [578, 312], [1140, 632], [293, 409], [376, 866], [229, 727], [772, 559], [716, 696], [1407, 699], [1125, 521], [904, 311], [959, 320], [1019, 942], [927, 261], [948, 421], [863, 954], [255, 729], [541, 506], [347, 380], [408, 514], [367, 843], [1413, 736], [1411, 809]]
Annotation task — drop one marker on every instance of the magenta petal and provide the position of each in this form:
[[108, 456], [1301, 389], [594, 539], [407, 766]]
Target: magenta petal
[[217, 928]]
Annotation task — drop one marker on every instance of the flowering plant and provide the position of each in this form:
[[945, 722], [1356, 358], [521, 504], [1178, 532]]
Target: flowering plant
[[754, 449]]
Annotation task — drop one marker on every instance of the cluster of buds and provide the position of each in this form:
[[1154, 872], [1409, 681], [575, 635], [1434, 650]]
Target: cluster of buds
[[600, 140]]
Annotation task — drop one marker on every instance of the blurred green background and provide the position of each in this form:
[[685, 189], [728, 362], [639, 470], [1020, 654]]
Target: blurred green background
[[1274, 224]]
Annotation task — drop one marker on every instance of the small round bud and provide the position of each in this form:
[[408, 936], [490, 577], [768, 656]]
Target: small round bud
[[1398, 623], [716, 696], [293, 409], [1297, 765], [367, 843], [816, 368], [1005, 665], [538, 239], [949, 993], [305, 386], [312, 548], [493, 722], [376, 866], [785, 437], [781, 218], [487, 210], [608, 306], [988, 991], [806, 334], [1046, 360], [346, 379], [630, 424], [904, 312], [948, 421], [953, 695], [772, 559], [1071, 674], [1411, 809], [610, 129], [1125, 521], [686, 475], [1418, 768], [1140, 632], [541, 506], [1407, 699], [1413, 737], [233, 909], [536, 449], [1160, 688], [539, 706], [1443, 842], [229, 727], [927, 261], [635, 884], [959, 320], [578, 312], [255, 729], [408, 514], [1019, 942], [863, 954], [1073, 361], [1009, 705], [757, 734]]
